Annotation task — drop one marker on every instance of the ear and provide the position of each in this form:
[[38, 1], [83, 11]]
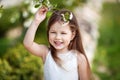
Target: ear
[[73, 35]]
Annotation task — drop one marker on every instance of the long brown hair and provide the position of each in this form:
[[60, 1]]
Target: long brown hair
[[76, 43]]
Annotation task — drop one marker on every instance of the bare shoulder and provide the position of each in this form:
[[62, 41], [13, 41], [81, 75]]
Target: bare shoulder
[[82, 60], [83, 67]]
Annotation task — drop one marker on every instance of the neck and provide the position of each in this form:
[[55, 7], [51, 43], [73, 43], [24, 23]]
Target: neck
[[62, 51]]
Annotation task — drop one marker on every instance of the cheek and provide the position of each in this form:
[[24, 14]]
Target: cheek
[[51, 37], [70, 37]]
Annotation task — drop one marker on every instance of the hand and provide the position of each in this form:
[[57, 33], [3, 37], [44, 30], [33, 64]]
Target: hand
[[41, 14]]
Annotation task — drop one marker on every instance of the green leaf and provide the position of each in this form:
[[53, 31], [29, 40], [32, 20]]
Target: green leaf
[[37, 5], [67, 15], [46, 3]]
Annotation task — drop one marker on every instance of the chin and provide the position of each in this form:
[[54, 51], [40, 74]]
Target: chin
[[58, 48]]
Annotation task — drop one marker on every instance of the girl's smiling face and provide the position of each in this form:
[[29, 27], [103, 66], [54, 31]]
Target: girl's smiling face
[[60, 36]]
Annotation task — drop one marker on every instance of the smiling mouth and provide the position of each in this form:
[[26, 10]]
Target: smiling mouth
[[58, 43]]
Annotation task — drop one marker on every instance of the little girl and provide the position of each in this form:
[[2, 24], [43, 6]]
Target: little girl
[[65, 59]]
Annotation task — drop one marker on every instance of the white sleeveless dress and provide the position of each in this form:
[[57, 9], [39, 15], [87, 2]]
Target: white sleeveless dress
[[68, 71]]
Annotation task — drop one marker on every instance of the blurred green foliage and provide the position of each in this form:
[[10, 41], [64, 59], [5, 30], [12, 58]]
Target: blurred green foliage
[[107, 59], [10, 18], [4, 45], [18, 64]]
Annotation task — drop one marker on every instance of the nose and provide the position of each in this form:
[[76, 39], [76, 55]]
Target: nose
[[58, 36]]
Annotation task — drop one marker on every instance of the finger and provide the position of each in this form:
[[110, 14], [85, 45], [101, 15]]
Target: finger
[[45, 8]]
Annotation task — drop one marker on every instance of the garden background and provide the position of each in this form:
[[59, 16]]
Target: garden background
[[16, 63]]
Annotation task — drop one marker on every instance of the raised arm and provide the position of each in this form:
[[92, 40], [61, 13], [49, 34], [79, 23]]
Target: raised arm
[[30, 45]]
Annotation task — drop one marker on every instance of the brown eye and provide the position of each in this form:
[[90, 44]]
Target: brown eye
[[63, 33], [52, 32]]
